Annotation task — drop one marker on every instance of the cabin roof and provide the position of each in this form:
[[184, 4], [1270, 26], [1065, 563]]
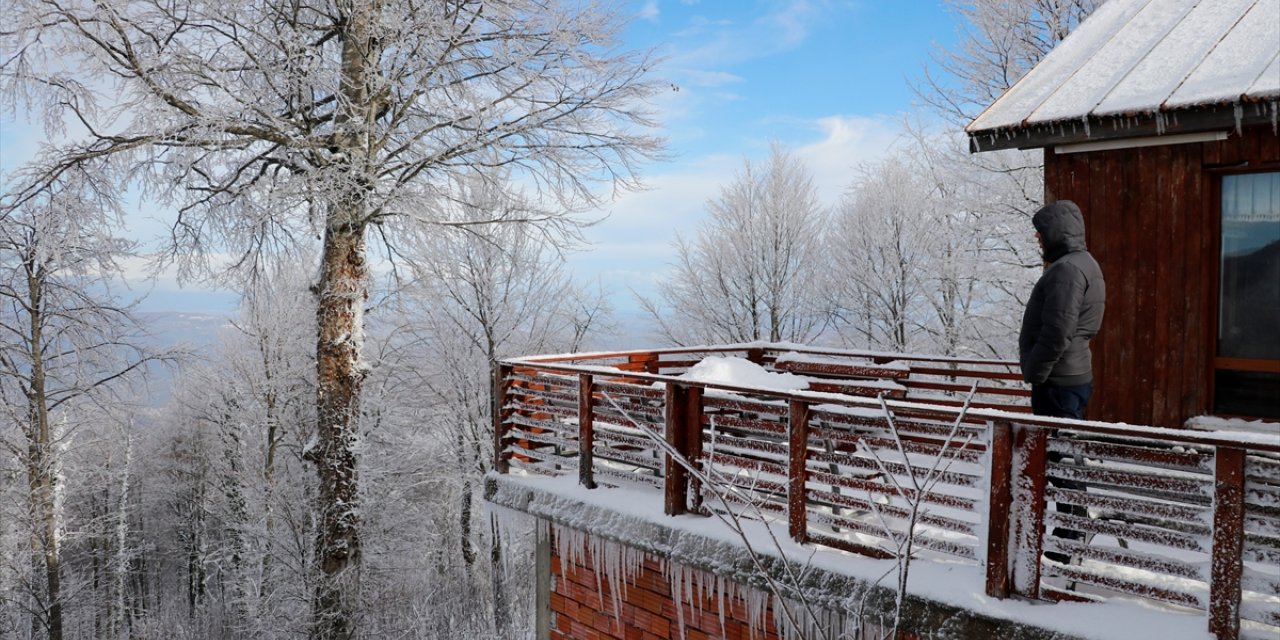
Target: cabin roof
[[1174, 65]]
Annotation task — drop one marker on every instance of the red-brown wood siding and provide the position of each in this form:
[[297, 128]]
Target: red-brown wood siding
[[1151, 222]]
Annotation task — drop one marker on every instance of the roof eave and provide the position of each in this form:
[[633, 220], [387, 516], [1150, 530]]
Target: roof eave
[[1213, 117]]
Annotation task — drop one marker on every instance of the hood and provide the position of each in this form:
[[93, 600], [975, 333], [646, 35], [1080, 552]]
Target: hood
[[1061, 228]]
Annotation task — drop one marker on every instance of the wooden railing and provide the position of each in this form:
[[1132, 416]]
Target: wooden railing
[[1186, 518]]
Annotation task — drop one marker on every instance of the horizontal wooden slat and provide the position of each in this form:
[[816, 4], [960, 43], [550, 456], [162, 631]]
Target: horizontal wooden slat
[[1131, 587], [1126, 558], [920, 541], [1189, 518], [880, 488], [749, 464], [828, 498], [1136, 480], [1165, 458], [1127, 531], [852, 370]]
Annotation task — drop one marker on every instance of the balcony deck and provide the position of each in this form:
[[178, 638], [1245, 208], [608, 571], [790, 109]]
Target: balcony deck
[[878, 445]]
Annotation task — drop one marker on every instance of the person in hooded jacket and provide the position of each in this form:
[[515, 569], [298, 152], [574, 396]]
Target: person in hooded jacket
[[1063, 314]]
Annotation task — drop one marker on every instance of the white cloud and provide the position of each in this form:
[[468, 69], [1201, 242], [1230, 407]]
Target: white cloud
[[649, 11], [700, 78], [847, 142], [633, 247], [723, 43]]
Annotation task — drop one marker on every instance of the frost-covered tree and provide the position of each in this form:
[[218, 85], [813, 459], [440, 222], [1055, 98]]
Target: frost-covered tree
[[880, 255], [479, 295], [1000, 41], [919, 262], [753, 271], [232, 508], [275, 123], [68, 349]]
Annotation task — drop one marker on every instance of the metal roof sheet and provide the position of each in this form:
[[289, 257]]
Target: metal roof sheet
[[1147, 56]]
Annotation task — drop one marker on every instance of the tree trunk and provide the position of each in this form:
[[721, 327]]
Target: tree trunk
[[342, 291], [42, 463]]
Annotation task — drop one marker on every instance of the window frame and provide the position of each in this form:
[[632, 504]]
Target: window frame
[[1214, 362]]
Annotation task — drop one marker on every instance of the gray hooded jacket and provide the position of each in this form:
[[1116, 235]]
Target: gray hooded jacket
[[1065, 309]]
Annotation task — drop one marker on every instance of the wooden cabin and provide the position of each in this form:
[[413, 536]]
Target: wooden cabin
[[1159, 118]]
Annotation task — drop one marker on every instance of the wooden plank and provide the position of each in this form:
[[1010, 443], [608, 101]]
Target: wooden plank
[[999, 504], [1174, 292], [851, 370], [880, 488], [693, 440], [1161, 217], [586, 432], [818, 497], [1104, 225], [675, 486], [1028, 505], [1202, 293], [1114, 583], [1181, 517], [1228, 541], [798, 429], [851, 547], [872, 527], [1268, 144], [1142, 170], [1165, 458], [1131, 480], [500, 413]]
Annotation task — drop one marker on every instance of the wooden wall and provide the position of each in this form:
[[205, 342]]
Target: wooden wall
[[1151, 219]]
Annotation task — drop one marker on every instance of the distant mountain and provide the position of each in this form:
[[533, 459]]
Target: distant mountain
[[176, 328], [194, 332]]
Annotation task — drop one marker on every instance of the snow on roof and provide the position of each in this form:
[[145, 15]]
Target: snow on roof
[[1148, 56]]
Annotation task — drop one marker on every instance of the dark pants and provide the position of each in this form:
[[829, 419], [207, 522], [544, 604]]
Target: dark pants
[[1062, 402]]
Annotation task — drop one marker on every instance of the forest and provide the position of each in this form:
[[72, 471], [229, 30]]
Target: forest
[[390, 187]]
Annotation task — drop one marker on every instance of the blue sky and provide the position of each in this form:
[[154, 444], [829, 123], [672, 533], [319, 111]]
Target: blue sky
[[827, 78]]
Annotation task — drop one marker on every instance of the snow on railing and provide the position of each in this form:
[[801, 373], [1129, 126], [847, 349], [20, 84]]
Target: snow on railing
[[1055, 509]]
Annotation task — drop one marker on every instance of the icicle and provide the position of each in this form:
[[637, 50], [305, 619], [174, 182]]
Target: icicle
[[612, 563], [757, 602], [1275, 117], [1239, 113], [675, 573]]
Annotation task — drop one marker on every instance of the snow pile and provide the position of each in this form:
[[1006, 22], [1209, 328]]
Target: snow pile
[[740, 372]]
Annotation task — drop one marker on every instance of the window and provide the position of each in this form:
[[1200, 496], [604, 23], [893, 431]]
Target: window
[[1247, 376]]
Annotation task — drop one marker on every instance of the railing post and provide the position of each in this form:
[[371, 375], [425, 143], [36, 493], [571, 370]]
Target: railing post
[[1228, 543], [693, 442], [1027, 502], [586, 432], [797, 475], [675, 482], [501, 385], [1001, 499]]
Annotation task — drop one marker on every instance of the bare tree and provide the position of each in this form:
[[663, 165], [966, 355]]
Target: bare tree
[[69, 346], [272, 124], [479, 295], [880, 255], [752, 273], [1000, 41]]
